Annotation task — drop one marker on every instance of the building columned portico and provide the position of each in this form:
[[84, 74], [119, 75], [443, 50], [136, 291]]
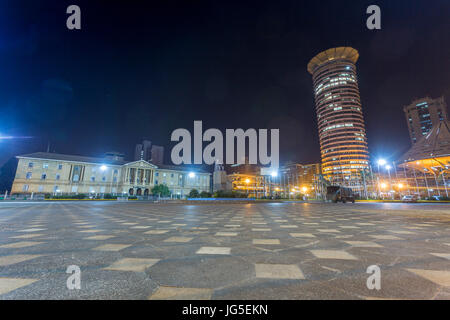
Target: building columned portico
[[51, 173]]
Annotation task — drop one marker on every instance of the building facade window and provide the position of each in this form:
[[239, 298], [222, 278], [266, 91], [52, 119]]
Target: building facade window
[[43, 176], [29, 174], [25, 187], [30, 165]]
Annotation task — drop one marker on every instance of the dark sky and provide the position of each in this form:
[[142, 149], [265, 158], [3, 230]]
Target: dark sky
[[140, 69]]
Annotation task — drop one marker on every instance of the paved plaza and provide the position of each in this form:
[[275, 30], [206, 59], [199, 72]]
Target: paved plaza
[[139, 250]]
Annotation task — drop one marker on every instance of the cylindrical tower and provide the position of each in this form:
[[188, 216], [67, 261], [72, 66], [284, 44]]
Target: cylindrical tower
[[342, 134]]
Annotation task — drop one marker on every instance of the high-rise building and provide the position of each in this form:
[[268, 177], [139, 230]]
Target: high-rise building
[[157, 155], [146, 150], [342, 134], [143, 151], [138, 152], [423, 114]]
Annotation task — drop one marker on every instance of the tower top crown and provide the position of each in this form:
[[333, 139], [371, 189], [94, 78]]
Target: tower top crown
[[333, 54]]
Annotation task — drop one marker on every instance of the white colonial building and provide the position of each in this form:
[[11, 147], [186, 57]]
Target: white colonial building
[[51, 173]]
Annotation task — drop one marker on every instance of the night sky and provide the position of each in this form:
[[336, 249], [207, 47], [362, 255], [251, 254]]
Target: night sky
[[141, 69]]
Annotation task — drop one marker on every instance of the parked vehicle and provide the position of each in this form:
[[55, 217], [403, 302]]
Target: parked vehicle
[[337, 193], [409, 198]]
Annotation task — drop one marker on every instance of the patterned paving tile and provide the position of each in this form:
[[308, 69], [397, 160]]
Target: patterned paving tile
[[132, 264], [178, 239], [17, 258], [91, 231], [278, 271], [101, 237], [31, 230], [328, 230], [333, 254], [302, 235], [158, 231], [439, 277], [261, 229], [266, 241], [214, 250], [226, 234], [401, 232], [21, 244], [10, 284], [364, 244], [28, 236], [385, 237], [442, 255], [112, 247], [174, 293]]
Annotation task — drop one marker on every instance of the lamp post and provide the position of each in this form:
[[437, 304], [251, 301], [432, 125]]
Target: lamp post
[[380, 162]]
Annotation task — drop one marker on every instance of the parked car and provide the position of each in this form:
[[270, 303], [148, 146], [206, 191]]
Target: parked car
[[409, 198], [337, 193]]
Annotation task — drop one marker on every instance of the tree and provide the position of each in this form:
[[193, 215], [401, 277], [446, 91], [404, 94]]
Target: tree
[[194, 194], [161, 189], [205, 194]]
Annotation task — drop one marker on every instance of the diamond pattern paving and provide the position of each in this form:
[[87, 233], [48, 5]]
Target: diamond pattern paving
[[141, 250]]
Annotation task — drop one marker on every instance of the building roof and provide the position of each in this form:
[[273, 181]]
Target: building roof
[[66, 157], [435, 144], [333, 54], [75, 158]]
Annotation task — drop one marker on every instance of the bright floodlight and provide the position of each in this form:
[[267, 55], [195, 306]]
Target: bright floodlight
[[247, 180], [381, 162], [103, 168], [274, 174], [305, 189], [383, 185], [191, 174], [388, 167]]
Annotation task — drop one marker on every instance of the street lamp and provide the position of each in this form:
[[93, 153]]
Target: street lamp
[[191, 174], [103, 168]]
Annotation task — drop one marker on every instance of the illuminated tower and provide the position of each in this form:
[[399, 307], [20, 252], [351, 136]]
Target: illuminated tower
[[342, 134]]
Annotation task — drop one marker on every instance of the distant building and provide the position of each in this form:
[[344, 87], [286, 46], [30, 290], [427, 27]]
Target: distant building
[[289, 182], [138, 152], [157, 155], [342, 133], [143, 151], [149, 152], [51, 173], [422, 114], [302, 174]]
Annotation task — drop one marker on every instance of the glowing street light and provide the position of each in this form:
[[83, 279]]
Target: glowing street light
[[247, 181], [274, 174], [381, 162], [400, 185], [383, 185], [388, 167], [103, 168], [304, 189], [191, 174]]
